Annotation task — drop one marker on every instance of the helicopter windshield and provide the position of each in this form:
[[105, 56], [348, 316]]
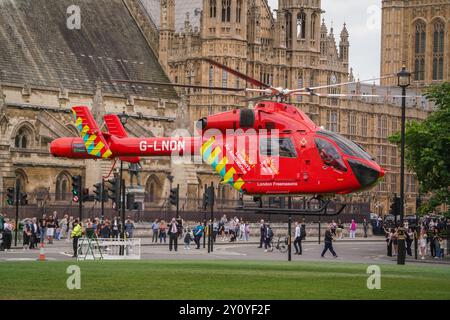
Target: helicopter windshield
[[330, 156], [347, 146]]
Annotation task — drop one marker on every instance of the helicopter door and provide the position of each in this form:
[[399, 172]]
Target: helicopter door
[[278, 160]]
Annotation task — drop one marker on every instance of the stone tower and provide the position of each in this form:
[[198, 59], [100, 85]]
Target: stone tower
[[415, 33], [167, 29]]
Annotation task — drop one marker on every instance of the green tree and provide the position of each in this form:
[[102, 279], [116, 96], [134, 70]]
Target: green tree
[[427, 149]]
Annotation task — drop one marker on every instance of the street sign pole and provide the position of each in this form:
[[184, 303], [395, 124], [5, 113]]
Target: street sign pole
[[290, 231], [17, 195], [102, 197], [211, 228], [80, 199]]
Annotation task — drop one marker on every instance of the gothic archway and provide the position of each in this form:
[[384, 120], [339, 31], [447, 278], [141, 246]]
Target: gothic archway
[[152, 189], [62, 187]]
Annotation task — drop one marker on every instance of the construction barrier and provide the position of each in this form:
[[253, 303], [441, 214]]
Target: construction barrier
[[109, 249]]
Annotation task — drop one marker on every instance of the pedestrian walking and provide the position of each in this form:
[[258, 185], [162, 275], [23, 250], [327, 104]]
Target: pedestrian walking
[[262, 229], [76, 234], [162, 231], [129, 228], [188, 238], [43, 228], [298, 238], [155, 231], [328, 240], [198, 233], [352, 229], [365, 227], [268, 236], [7, 234], [423, 243], [173, 230]]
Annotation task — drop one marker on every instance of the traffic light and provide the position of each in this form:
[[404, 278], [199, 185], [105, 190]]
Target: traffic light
[[23, 199], [10, 196], [114, 191], [76, 188], [208, 197], [174, 196], [98, 192], [131, 204], [86, 196], [395, 207]]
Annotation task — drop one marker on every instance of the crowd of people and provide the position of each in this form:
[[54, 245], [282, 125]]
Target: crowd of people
[[430, 233]]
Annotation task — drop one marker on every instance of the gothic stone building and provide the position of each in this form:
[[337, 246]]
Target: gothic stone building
[[416, 33], [46, 68]]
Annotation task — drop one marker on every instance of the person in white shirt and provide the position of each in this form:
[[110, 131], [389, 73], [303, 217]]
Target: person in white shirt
[[298, 238]]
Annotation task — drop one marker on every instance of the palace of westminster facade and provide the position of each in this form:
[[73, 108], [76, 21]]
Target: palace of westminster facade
[[167, 39]]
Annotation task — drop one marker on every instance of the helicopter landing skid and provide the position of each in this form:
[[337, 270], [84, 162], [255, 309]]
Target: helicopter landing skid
[[321, 210]]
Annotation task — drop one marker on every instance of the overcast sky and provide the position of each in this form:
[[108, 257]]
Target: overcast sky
[[363, 18]]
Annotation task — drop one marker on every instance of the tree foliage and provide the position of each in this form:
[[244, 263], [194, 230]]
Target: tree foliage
[[427, 148]]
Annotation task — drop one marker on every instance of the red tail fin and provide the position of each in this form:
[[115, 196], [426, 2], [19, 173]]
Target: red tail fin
[[116, 128]]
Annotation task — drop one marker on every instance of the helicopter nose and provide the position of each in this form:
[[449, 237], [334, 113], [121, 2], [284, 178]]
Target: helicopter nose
[[366, 175]]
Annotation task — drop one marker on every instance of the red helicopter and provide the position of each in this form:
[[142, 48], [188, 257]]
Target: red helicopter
[[273, 149]]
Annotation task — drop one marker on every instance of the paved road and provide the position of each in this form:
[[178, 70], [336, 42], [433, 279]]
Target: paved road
[[362, 251]]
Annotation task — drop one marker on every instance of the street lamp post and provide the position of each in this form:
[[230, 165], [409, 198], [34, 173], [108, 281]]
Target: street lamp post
[[123, 120], [404, 80]]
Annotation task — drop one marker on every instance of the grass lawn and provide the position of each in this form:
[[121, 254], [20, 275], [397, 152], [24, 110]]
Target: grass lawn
[[220, 280]]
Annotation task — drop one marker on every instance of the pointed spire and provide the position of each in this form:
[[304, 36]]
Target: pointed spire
[[323, 27], [344, 32]]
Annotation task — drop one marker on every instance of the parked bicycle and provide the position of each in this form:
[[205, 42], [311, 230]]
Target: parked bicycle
[[281, 244]]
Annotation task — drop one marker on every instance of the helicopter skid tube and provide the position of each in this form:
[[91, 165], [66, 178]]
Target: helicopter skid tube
[[308, 212]]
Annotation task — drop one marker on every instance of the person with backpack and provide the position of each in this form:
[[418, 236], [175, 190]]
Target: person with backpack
[[268, 238], [298, 238]]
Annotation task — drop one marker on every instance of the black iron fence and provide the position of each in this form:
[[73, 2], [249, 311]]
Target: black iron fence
[[191, 208]]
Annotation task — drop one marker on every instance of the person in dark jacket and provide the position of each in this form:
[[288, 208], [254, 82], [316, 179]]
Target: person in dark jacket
[[262, 229], [173, 232], [328, 243]]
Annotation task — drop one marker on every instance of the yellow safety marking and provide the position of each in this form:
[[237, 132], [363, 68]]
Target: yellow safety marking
[[238, 184], [214, 155], [222, 163], [229, 175], [207, 144]]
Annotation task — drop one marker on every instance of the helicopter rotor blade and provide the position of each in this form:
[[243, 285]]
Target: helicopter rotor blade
[[238, 74], [258, 98], [344, 95], [308, 89], [178, 85]]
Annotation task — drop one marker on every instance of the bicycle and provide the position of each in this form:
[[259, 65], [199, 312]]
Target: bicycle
[[282, 244]]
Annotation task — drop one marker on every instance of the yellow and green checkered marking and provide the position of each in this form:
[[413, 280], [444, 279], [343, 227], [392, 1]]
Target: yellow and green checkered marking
[[212, 156], [95, 144]]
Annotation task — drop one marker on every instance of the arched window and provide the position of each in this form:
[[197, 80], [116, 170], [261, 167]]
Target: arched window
[[226, 10], [419, 51], [224, 79], [288, 29], [211, 76], [23, 138], [212, 8], [438, 50], [62, 187], [152, 189], [313, 26], [301, 25], [21, 178], [238, 11]]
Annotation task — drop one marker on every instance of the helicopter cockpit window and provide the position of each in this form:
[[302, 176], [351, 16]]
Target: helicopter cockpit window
[[282, 147], [348, 147], [329, 154]]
